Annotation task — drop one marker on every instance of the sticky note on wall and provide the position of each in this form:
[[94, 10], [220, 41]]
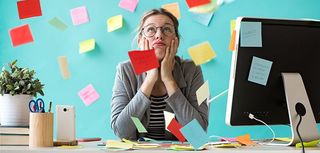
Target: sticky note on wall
[[114, 23], [63, 64], [129, 5], [203, 93], [202, 53], [20, 35], [203, 19], [194, 3], [250, 34], [259, 70], [88, 95], [173, 8], [29, 8], [57, 23], [79, 15], [87, 45]]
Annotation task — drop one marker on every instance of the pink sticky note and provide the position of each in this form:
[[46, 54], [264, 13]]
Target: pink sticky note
[[129, 5], [79, 15], [88, 95]]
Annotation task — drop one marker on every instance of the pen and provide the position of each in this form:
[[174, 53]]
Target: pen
[[50, 106]]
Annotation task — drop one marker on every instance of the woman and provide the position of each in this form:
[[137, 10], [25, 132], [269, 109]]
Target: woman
[[171, 87]]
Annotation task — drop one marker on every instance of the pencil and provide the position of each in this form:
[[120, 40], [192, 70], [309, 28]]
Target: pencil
[[50, 106]]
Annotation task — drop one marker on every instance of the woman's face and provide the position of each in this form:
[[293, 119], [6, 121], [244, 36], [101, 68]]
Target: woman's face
[[159, 31]]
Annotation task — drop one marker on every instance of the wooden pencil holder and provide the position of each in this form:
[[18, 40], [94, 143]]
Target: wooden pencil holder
[[41, 130]]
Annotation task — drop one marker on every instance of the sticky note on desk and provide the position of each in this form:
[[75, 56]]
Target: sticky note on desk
[[114, 23], [29, 8], [245, 139], [129, 5], [195, 134], [201, 53], [174, 127], [250, 34], [203, 19], [87, 45], [88, 95], [57, 23], [63, 64], [79, 15], [203, 93], [139, 125], [143, 60], [117, 144], [20, 35], [168, 116], [259, 70], [173, 8]]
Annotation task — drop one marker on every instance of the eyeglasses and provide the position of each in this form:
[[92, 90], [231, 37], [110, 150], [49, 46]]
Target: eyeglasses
[[150, 30]]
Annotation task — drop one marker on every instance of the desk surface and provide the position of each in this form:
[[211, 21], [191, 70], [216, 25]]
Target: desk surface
[[93, 148]]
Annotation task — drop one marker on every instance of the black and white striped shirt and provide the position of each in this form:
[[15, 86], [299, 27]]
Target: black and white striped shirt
[[156, 128]]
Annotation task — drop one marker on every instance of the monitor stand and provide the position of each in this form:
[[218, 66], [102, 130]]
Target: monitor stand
[[297, 97]]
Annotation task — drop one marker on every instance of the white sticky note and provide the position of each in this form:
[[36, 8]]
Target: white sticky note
[[259, 70], [250, 34], [168, 116], [203, 93]]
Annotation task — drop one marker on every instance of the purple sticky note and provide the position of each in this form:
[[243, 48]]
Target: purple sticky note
[[88, 95], [79, 15], [129, 5]]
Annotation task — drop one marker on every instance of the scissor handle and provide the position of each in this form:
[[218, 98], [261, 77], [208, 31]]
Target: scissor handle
[[33, 106], [40, 104]]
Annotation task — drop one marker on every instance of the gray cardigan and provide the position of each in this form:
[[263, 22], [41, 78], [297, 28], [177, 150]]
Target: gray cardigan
[[128, 100]]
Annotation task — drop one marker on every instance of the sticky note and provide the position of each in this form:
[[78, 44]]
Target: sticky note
[[79, 15], [88, 95], [118, 144], [229, 139], [203, 19], [87, 45], [29, 8], [57, 23], [20, 35], [168, 116], [139, 125], [313, 143], [63, 64], [283, 139], [143, 60], [202, 53], [173, 8], [174, 127], [232, 26], [259, 70], [70, 147], [195, 134], [114, 23], [181, 148], [250, 34], [207, 8], [203, 93], [129, 5], [228, 145], [194, 3], [232, 41], [245, 139]]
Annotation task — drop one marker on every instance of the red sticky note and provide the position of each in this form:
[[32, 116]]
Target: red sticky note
[[143, 60], [194, 3], [29, 8], [174, 127], [20, 35]]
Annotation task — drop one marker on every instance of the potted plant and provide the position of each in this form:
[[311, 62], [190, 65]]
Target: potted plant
[[17, 87]]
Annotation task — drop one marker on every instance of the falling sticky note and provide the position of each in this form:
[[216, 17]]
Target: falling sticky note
[[79, 15], [195, 134], [129, 5], [139, 125], [232, 26], [87, 45], [203, 19], [203, 93], [202, 53], [57, 23], [259, 70], [232, 41], [174, 127], [173, 8], [20, 35], [194, 3], [168, 116], [29, 8], [250, 34], [245, 139], [143, 60], [88, 95], [114, 23], [63, 64]]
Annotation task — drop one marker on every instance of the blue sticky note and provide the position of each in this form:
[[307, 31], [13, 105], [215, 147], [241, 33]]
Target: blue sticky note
[[202, 18], [250, 34], [259, 70], [194, 133]]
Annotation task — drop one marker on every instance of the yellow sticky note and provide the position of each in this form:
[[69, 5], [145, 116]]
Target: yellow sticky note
[[181, 148], [283, 139], [313, 143], [203, 93], [173, 8], [114, 23], [63, 64], [70, 147], [228, 145], [202, 53], [87, 45], [232, 26], [168, 116], [118, 144]]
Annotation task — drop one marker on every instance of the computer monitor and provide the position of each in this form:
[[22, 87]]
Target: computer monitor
[[290, 46]]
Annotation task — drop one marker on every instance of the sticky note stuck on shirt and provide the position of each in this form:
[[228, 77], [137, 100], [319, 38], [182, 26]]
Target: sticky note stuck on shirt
[[143, 61], [259, 70], [115, 23], [20, 35], [87, 45], [195, 134], [29, 8], [139, 125], [203, 93], [63, 64], [250, 34], [129, 5], [79, 15], [202, 53], [173, 8], [88, 95]]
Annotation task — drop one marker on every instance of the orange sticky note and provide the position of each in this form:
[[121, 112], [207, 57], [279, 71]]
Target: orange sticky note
[[245, 139], [232, 41], [63, 64], [173, 8]]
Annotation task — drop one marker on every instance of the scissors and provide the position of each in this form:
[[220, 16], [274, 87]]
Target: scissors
[[36, 106]]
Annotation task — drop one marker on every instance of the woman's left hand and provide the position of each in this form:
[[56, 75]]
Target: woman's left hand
[[168, 62]]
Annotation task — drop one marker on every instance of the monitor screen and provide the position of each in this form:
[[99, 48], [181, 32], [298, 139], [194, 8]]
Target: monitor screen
[[290, 46]]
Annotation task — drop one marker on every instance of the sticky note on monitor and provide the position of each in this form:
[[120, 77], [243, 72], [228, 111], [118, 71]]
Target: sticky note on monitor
[[114, 23], [232, 43], [195, 134], [232, 25], [29, 8], [259, 70], [88, 95], [174, 127], [139, 125], [57, 23], [20, 35], [203, 19], [168, 116], [203, 93], [129, 5], [173, 8], [143, 61], [202, 53], [79, 15], [250, 34], [63, 64], [87, 45], [194, 3]]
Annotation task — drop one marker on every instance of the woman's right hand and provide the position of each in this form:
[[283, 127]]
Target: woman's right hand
[[153, 74]]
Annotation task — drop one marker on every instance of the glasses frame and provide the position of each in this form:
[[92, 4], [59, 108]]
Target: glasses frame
[[161, 29]]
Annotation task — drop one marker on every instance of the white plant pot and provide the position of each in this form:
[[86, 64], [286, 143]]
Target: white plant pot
[[14, 110]]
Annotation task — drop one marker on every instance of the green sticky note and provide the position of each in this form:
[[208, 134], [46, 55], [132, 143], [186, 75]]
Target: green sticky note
[[139, 125], [57, 23], [313, 143], [87, 45]]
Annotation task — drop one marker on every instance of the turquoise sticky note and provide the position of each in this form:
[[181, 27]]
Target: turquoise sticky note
[[250, 34], [203, 19], [139, 125], [195, 134], [259, 70]]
